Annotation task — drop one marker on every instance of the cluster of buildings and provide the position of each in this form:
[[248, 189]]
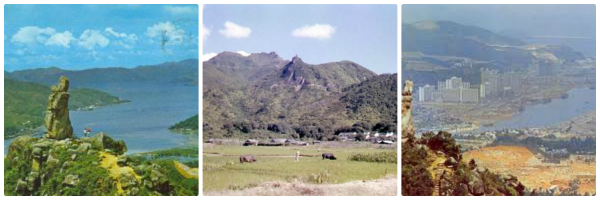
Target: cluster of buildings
[[497, 85], [454, 90], [450, 90], [275, 142], [375, 137]]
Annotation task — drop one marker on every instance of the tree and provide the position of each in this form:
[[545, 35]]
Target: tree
[[416, 179], [361, 127], [360, 137]]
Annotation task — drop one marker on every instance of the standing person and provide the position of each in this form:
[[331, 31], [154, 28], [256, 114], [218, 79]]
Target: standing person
[[297, 158]]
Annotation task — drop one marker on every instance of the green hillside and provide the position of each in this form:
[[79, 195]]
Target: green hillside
[[190, 125]]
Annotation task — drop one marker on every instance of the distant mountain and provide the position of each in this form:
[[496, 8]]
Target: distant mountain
[[185, 72], [448, 29], [445, 38]]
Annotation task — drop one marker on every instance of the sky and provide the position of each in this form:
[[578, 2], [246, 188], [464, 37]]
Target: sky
[[90, 36], [365, 34]]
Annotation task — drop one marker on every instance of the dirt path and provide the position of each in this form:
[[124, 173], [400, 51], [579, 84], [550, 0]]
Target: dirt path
[[381, 187]]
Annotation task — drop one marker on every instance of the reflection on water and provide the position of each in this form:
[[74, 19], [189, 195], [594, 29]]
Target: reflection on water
[[578, 102], [143, 123]]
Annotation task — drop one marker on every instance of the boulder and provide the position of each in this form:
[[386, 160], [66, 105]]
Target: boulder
[[103, 142], [71, 180], [21, 188]]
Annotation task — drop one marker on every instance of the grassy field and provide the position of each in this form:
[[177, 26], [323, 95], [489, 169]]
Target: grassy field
[[222, 170]]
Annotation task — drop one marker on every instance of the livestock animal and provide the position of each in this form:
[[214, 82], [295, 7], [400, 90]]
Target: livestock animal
[[247, 158], [329, 156]]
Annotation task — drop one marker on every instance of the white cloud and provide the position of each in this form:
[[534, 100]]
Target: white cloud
[[243, 53], [233, 30], [180, 10], [317, 31], [167, 32], [61, 39], [92, 38], [124, 39], [208, 56], [30, 35], [205, 32], [129, 37]]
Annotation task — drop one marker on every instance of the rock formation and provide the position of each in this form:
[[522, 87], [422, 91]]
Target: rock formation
[[58, 124], [408, 127], [59, 164]]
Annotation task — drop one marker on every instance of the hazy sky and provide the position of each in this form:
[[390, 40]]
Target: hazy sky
[[365, 34], [86, 36], [534, 20]]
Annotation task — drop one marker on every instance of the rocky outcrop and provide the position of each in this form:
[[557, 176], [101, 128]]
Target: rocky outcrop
[[58, 164], [473, 180], [102, 142], [58, 124], [43, 166], [408, 127]]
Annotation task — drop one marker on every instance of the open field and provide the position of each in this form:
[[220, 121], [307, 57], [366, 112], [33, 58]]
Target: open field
[[380, 187], [532, 172], [223, 174]]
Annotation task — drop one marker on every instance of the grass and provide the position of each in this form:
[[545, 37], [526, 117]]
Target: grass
[[386, 157], [222, 170]]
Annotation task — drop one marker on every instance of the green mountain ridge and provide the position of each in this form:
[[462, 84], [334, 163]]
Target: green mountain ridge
[[185, 72]]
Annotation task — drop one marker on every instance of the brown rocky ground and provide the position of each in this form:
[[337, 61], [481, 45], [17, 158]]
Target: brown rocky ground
[[531, 171]]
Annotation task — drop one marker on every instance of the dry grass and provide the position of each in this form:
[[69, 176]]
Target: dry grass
[[380, 187]]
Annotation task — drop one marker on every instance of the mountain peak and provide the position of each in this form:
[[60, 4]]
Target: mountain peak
[[296, 59], [263, 57]]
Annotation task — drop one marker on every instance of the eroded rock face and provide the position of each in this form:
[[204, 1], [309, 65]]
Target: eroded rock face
[[57, 121], [408, 127]]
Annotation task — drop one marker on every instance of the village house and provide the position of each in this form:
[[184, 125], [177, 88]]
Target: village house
[[251, 142], [347, 135], [278, 140]]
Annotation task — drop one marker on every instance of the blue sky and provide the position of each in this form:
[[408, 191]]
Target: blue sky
[[365, 34], [90, 36]]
